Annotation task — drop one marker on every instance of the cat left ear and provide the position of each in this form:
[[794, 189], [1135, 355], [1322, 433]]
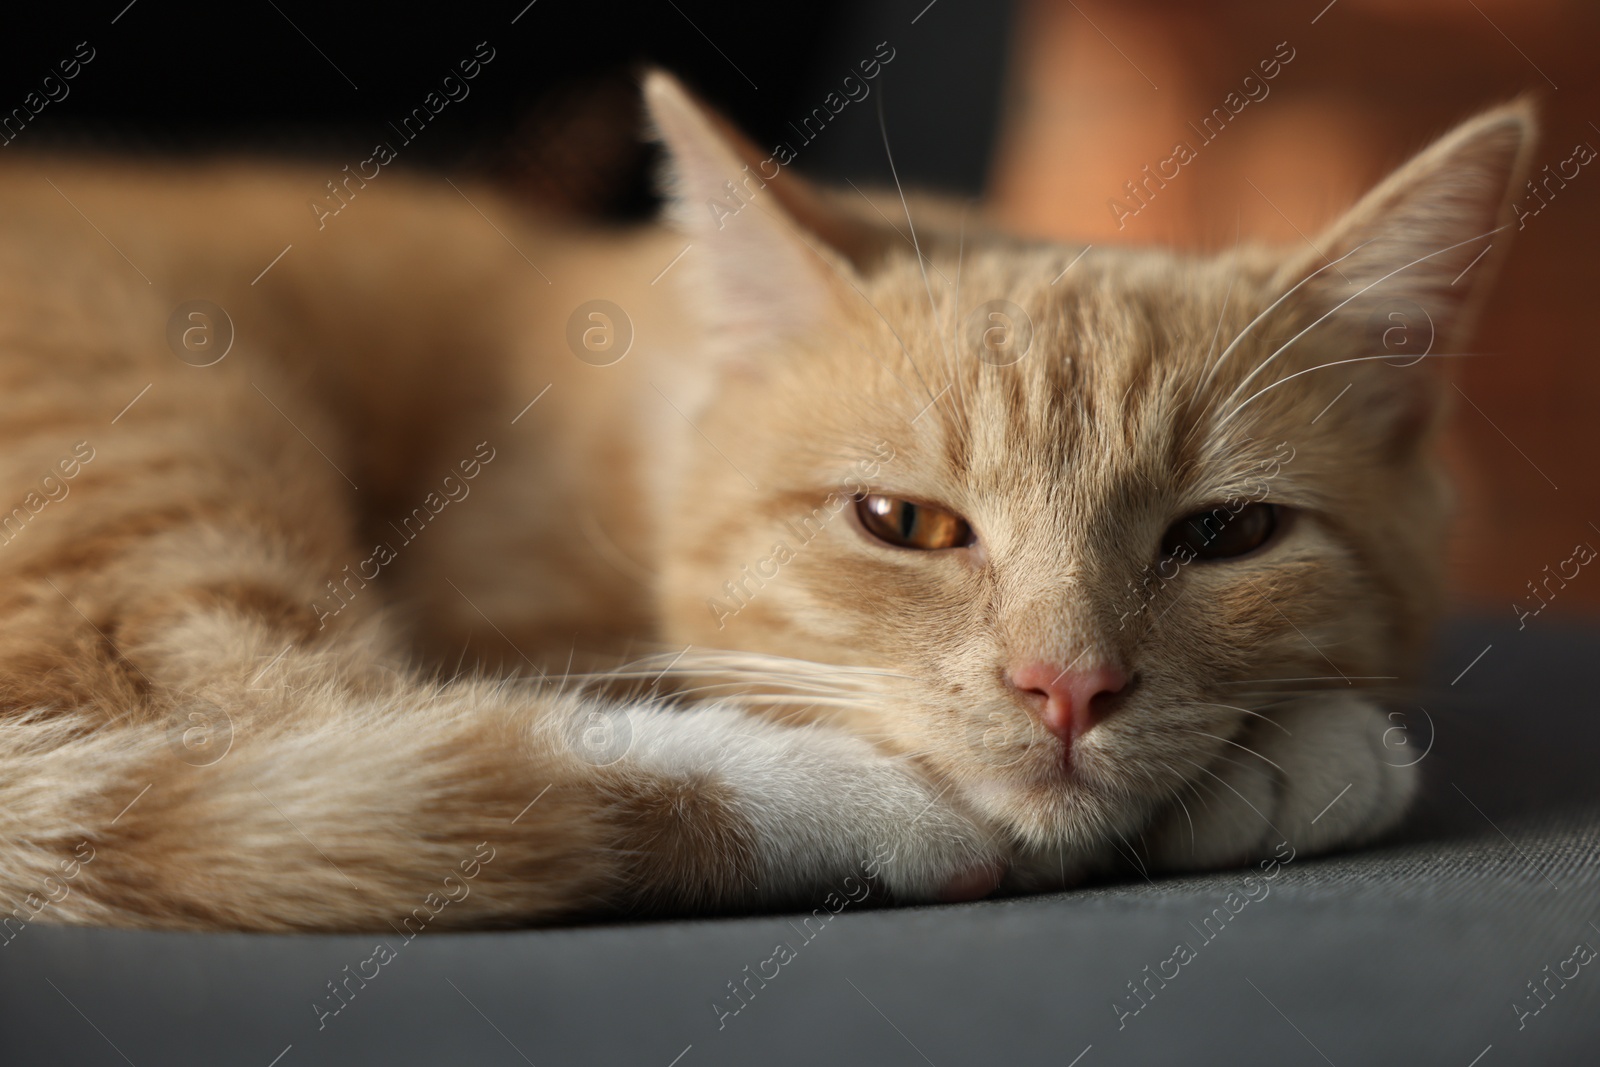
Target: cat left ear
[[766, 246], [1420, 247]]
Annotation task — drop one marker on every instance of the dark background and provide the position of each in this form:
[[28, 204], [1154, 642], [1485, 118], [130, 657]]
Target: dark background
[[555, 112]]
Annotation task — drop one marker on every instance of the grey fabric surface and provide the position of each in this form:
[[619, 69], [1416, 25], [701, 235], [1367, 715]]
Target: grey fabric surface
[[1415, 952]]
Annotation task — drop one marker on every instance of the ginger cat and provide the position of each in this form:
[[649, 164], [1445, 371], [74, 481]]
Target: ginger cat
[[977, 562]]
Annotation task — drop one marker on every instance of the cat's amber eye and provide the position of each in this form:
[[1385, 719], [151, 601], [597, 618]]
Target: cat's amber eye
[[1221, 533], [906, 525]]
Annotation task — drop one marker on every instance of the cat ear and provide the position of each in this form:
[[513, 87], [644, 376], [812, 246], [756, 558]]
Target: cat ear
[[766, 247], [1416, 252], [1403, 274]]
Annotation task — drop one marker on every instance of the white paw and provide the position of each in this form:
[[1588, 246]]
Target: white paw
[[1318, 776], [822, 806]]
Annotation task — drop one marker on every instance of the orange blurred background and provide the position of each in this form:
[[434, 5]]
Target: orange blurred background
[[1098, 90]]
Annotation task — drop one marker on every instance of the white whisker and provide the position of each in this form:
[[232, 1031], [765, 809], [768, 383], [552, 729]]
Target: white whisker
[[1129, 855], [857, 290], [1188, 818], [1323, 678], [955, 307], [1247, 711], [1324, 366], [779, 699], [1237, 745], [933, 311], [1333, 310], [1235, 792], [1233, 276], [1270, 308]]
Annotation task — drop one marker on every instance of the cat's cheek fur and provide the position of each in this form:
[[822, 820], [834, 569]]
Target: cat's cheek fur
[[1331, 783], [803, 809]]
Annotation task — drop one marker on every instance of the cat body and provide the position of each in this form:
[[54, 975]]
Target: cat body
[[359, 507]]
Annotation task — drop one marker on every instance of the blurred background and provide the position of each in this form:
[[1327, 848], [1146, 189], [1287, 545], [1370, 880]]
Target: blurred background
[[1045, 109]]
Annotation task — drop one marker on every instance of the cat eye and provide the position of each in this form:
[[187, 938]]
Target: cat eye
[[1218, 533], [906, 525]]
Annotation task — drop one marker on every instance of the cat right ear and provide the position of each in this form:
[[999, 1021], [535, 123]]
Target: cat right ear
[[1429, 235], [1406, 270], [765, 246]]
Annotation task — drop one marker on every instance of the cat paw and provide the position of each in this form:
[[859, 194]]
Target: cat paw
[[822, 811], [1318, 775]]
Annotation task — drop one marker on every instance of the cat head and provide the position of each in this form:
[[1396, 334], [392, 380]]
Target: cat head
[[1081, 511]]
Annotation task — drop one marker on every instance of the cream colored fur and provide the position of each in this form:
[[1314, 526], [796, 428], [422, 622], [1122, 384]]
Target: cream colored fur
[[173, 698]]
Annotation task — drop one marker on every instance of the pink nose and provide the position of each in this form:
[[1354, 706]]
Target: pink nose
[[1073, 700]]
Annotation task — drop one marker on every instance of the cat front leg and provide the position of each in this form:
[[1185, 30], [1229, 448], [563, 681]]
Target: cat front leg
[[715, 808], [1318, 774]]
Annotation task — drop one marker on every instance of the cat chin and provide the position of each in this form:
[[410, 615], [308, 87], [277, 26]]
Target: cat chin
[[1052, 814]]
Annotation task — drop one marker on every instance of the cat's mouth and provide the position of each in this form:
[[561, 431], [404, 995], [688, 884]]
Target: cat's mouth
[[1051, 788], [1049, 805]]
